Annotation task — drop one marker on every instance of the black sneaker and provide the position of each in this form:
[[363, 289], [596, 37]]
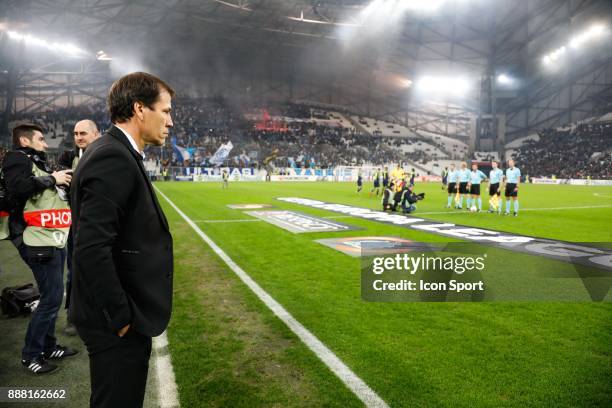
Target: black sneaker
[[59, 353], [516, 214], [38, 365]]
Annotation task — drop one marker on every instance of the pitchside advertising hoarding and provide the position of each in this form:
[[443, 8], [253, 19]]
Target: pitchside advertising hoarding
[[215, 174], [249, 174], [491, 265], [340, 173], [573, 182], [305, 175]]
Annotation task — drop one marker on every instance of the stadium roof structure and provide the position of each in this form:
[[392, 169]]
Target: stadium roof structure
[[364, 56]]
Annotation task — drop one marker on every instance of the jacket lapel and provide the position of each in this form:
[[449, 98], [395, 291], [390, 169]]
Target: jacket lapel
[[118, 134]]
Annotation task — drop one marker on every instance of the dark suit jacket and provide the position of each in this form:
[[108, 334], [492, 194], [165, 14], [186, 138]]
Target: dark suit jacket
[[122, 259]]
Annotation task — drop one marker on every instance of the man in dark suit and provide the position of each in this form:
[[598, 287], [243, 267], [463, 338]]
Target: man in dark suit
[[123, 265]]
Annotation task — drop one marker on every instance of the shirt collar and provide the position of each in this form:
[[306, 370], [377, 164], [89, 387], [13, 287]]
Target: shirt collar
[[131, 140]]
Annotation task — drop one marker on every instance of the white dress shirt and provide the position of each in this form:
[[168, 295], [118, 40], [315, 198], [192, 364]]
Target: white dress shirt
[[131, 140]]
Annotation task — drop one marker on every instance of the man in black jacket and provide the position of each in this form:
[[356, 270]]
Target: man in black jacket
[[85, 132], [39, 222], [123, 265]]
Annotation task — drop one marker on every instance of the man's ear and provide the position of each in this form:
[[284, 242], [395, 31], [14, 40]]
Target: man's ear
[[24, 141], [138, 110]]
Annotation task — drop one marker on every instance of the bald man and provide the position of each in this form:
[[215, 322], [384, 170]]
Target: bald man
[[85, 132]]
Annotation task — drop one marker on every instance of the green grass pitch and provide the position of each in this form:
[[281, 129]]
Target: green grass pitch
[[411, 354], [229, 350]]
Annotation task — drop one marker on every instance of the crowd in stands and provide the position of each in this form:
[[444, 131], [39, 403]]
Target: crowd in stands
[[485, 156], [60, 122], [578, 152], [201, 126]]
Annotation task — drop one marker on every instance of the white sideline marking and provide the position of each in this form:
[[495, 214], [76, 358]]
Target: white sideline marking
[[166, 383], [342, 371], [521, 209], [237, 220], [602, 195]]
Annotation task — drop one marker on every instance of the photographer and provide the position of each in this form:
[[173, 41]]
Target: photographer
[[408, 199], [39, 223]]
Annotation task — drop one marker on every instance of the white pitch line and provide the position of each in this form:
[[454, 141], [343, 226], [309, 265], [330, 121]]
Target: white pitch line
[[602, 195], [166, 383], [521, 209], [341, 370], [223, 221]]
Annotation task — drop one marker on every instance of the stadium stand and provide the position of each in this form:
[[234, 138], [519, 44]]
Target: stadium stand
[[382, 128], [454, 147], [606, 118], [318, 137], [59, 124], [486, 156], [580, 151]]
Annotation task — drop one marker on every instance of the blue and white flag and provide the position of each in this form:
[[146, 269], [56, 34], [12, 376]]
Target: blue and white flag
[[181, 153], [222, 153]]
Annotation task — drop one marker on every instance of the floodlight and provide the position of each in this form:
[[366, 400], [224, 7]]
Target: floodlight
[[101, 56], [576, 42], [65, 48], [421, 5], [504, 79], [443, 85], [597, 29]]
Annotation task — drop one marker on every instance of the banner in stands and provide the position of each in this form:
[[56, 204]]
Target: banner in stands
[[222, 153], [181, 153], [574, 253]]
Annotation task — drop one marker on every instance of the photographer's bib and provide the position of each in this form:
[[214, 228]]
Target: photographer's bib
[[47, 216]]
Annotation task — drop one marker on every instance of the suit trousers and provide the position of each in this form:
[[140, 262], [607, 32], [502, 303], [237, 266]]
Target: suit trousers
[[118, 367]]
